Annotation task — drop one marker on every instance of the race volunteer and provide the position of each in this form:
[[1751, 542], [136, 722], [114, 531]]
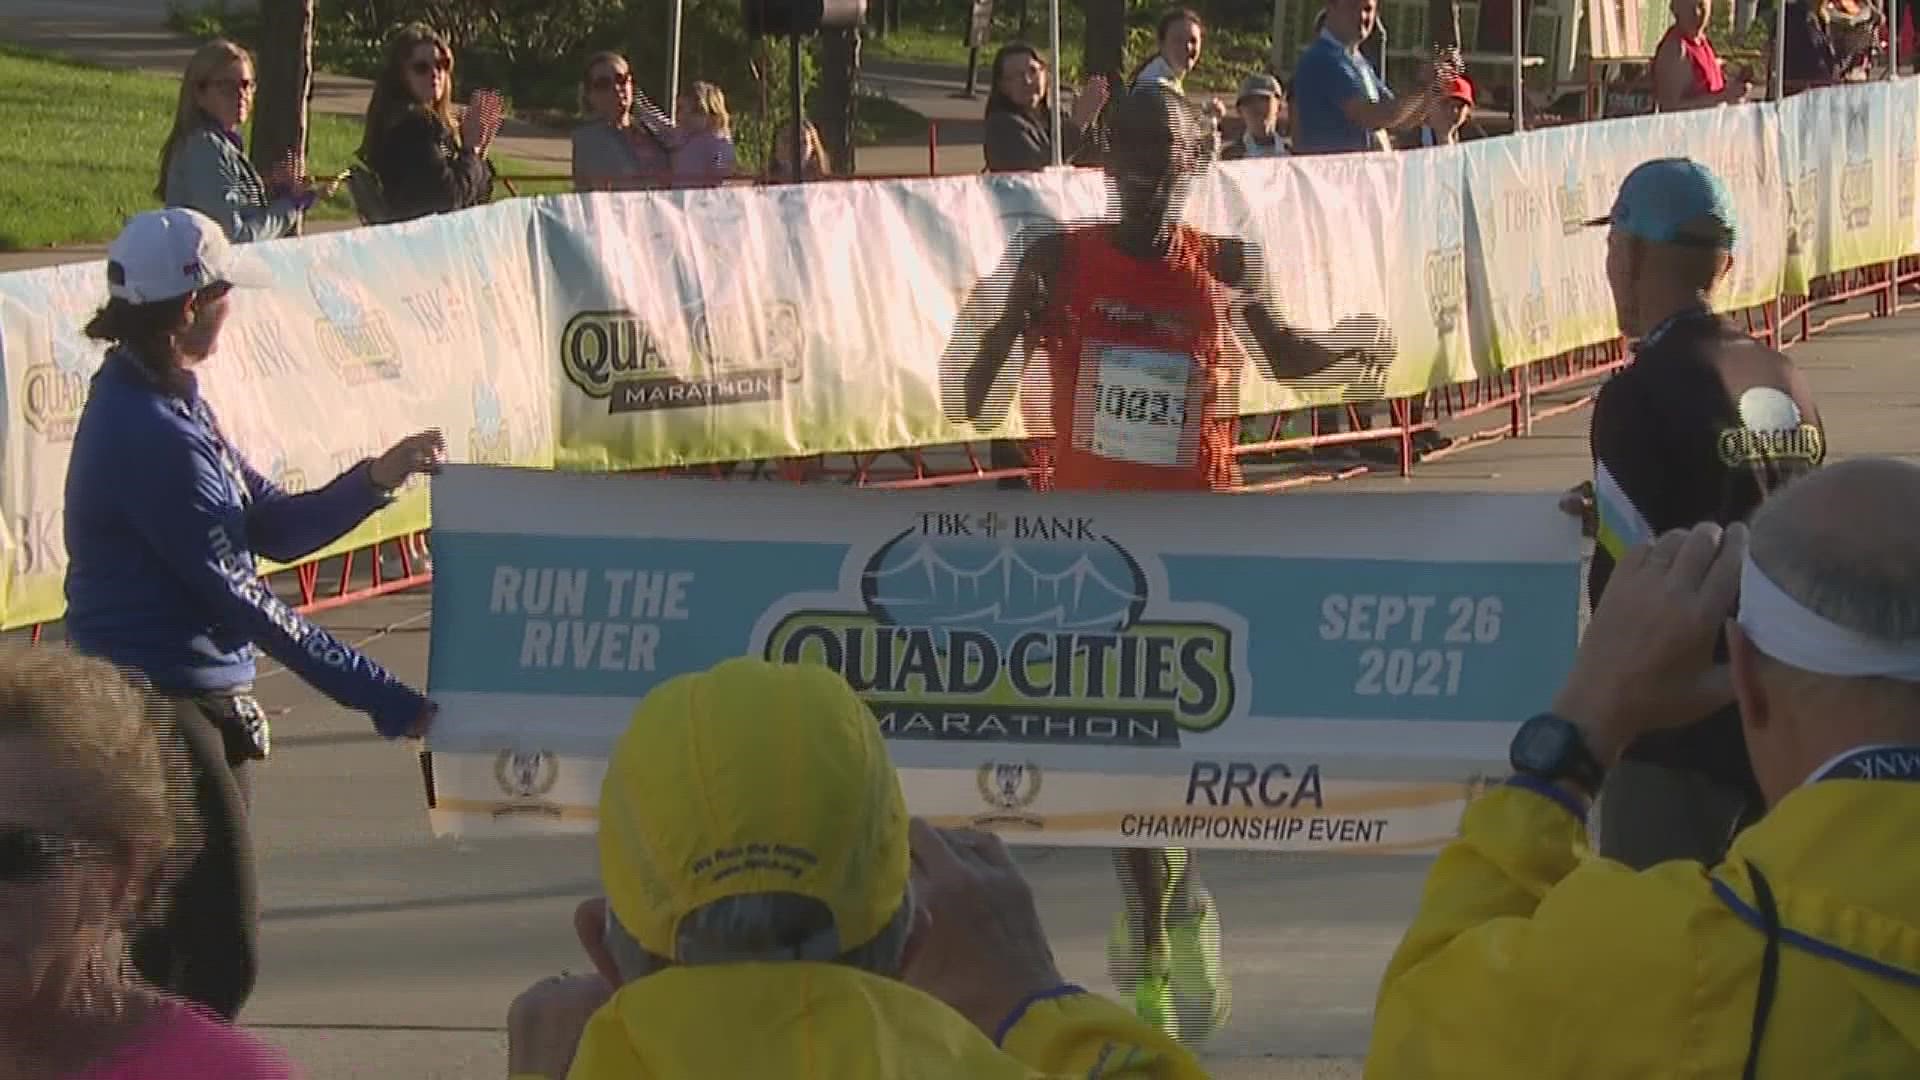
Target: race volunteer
[[1702, 425], [1145, 325], [163, 519]]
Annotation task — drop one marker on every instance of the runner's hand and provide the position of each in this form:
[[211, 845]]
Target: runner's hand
[[1367, 337], [1578, 502], [421, 452], [981, 949], [1647, 661]]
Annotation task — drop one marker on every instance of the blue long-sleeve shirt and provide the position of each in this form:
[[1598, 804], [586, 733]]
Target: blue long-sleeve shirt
[[163, 519]]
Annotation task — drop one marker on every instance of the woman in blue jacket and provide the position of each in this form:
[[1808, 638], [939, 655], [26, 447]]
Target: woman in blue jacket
[[164, 518]]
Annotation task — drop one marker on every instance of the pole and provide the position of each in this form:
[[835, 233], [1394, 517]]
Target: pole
[[673, 59], [798, 147], [1053, 88], [973, 72], [1893, 39], [1778, 89], [1519, 68]]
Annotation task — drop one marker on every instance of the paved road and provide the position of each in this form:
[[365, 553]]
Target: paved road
[[388, 954]]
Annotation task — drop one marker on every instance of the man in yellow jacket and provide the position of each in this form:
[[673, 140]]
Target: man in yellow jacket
[[1799, 956], [772, 912]]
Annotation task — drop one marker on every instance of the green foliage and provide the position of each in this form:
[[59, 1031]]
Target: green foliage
[[83, 149]]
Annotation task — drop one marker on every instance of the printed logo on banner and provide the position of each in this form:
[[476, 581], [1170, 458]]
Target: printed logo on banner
[[53, 391], [1008, 787], [1018, 628], [1446, 264], [1806, 185], [283, 475], [489, 441], [263, 352], [1856, 176], [526, 777], [1905, 124], [614, 356], [1571, 199], [353, 333]]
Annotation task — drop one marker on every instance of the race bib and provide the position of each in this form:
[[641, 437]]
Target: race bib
[[1140, 404]]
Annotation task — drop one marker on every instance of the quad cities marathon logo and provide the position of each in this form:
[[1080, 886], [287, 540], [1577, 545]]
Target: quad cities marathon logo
[[1018, 629], [353, 333], [615, 356]]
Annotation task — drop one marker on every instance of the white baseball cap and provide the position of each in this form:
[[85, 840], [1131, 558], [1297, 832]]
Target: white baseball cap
[[165, 254]]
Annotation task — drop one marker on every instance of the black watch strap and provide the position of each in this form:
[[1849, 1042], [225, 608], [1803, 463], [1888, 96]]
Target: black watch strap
[[1553, 748]]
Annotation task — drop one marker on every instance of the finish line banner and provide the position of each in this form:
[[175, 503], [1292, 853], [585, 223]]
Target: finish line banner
[[1332, 672]]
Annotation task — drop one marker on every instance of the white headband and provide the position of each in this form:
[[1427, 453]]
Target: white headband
[[1786, 630]]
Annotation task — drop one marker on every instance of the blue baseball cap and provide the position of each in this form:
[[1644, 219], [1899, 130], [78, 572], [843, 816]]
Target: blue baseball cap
[[1674, 201]]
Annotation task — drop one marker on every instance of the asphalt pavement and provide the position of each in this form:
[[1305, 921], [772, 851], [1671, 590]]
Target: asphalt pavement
[[389, 954]]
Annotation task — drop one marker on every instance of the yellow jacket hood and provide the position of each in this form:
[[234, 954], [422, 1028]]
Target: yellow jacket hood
[[828, 1021]]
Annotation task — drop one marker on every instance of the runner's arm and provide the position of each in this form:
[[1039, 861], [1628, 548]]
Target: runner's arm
[[1292, 353], [994, 317], [285, 527]]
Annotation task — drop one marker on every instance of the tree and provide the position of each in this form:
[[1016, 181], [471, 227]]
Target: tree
[[284, 74], [834, 104]]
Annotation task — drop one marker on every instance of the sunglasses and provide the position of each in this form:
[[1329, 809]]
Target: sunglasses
[[428, 67], [244, 86], [609, 82], [29, 855]]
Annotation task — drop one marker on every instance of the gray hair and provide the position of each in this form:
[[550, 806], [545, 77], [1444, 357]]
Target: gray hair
[[1845, 543], [764, 927]]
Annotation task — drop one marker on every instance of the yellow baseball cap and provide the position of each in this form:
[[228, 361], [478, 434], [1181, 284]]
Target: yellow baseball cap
[[752, 777]]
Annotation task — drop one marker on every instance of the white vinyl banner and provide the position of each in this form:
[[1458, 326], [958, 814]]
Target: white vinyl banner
[[1065, 668], [366, 337]]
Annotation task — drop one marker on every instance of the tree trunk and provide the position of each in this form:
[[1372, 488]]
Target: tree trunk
[[1105, 41], [284, 74], [834, 105]]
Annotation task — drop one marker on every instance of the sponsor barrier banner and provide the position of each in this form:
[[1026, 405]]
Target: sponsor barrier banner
[[1068, 669], [367, 336], [650, 330]]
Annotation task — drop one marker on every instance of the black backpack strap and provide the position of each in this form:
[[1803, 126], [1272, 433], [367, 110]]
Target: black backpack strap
[[1769, 968]]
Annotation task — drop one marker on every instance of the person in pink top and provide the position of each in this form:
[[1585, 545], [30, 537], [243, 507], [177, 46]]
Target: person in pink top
[[1687, 73], [88, 845]]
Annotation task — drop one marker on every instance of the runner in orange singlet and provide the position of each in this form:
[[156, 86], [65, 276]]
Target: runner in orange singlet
[[1145, 325]]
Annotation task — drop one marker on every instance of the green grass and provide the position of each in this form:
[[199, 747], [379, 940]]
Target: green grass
[[82, 149]]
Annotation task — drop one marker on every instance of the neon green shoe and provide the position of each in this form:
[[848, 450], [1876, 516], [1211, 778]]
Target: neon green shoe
[[1201, 992], [1127, 960], [1153, 1002]]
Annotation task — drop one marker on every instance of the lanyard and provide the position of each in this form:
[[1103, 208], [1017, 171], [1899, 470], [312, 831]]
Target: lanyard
[[1875, 763], [1654, 335]]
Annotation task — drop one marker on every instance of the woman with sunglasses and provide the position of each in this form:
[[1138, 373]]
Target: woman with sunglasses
[[87, 839], [204, 164], [164, 518], [621, 148], [426, 161]]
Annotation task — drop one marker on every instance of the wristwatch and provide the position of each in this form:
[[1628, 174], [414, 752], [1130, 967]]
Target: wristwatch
[[1551, 747]]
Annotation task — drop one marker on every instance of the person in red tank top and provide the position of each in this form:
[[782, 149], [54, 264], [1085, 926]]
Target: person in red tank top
[[1145, 325], [1686, 71]]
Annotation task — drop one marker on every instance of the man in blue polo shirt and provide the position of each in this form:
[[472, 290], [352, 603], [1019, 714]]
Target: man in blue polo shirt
[[1340, 103]]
